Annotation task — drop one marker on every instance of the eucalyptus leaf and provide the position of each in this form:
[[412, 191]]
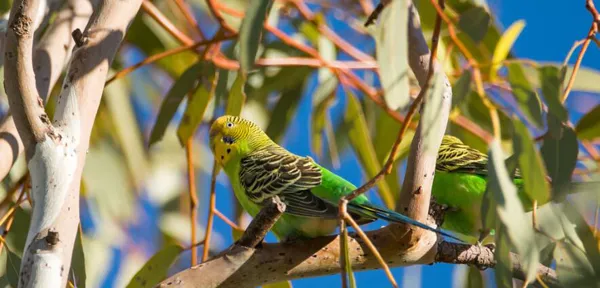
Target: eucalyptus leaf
[[503, 262], [348, 265], [503, 47], [572, 267], [250, 32], [283, 112], [13, 266], [170, 104], [392, 53], [194, 113], [78, 276], [526, 97], [510, 211], [283, 284], [432, 114], [589, 126], [474, 22], [156, 269], [474, 278], [237, 96], [461, 88], [531, 164], [587, 80], [360, 140], [560, 157], [549, 77], [586, 235]]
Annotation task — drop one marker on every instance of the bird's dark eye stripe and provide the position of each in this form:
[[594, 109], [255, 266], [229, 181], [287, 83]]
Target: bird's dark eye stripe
[[228, 139]]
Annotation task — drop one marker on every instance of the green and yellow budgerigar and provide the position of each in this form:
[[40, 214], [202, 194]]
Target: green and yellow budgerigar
[[258, 168], [460, 182]]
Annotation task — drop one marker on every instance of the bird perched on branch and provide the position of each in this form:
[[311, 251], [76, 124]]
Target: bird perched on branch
[[460, 182], [258, 168]]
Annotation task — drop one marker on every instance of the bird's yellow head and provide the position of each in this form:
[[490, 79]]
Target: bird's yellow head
[[233, 137]]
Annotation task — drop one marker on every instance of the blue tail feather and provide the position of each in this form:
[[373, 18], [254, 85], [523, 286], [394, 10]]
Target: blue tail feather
[[392, 216]]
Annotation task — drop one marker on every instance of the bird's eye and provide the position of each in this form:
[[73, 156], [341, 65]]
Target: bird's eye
[[229, 124]]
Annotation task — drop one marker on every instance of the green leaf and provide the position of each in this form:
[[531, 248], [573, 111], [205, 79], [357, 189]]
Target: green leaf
[[322, 98], [547, 254], [586, 236], [348, 264], [474, 22], [78, 276], [148, 36], [560, 157], [285, 78], [572, 267], [589, 126], [126, 130], [587, 80], [488, 212], [526, 97], [474, 278], [431, 113], [461, 88], [18, 232], [250, 32], [530, 161], [510, 210], [180, 88], [363, 146], [284, 284], [386, 132], [283, 112], [155, 270], [549, 77], [392, 54], [237, 97], [503, 47], [5, 6], [13, 266], [502, 255], [194, 113], [236, 234]]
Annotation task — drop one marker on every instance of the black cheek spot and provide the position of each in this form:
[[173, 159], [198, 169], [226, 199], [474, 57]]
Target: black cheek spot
[[228, 150], [222, 157]]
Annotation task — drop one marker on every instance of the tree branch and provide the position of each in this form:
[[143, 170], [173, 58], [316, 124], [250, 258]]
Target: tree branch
[[262, 223], [274, 262], [25, 104], [50, 57], [56, 153], [416, 190]]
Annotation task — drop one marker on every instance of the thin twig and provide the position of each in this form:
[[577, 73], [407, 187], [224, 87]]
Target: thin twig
[[9, 195], [215, 12], [163, 21], [12, 213], [156, 57], [227, 220], [343, 244], [372, 247], [476, 71], [211, 211], [189, 17], [193, 197], [591, 34]]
